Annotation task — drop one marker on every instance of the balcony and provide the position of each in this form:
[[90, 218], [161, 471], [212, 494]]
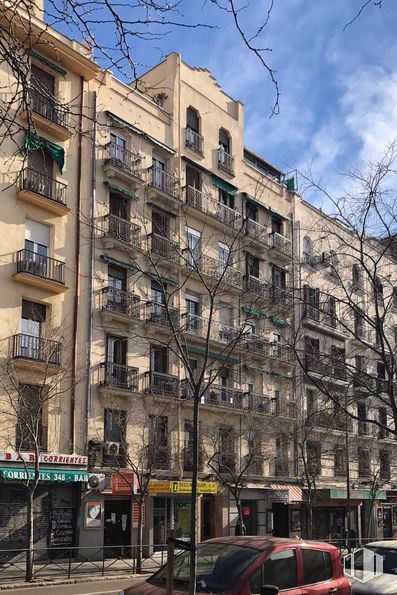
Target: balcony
[[227, 462], [315, 365], [164, 184], [257, 286], [223, 396], [194, 141], [42, 191], [225, 161], [158, 383], [282, 468], [333, 421], [262, 346], [158, 456], [282, 408], [122, 164], [259, 403], [36, 350], [162, 315], [118, 231], [187, 457], [119, 376], [281, 245], [120, 305], [40, 271], [282, 296], [217, 269], [49, 115], [257, 231], [165, 247], [208, 205]]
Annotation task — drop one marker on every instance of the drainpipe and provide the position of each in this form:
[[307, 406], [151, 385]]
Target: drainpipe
[[76, 275], [91, 273]]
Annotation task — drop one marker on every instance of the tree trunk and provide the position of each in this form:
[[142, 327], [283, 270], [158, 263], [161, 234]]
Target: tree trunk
[[240, 526], [139, 538], [309, 520], [193, 500], [30, 535]]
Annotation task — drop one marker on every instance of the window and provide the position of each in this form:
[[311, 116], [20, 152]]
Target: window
[[43, 81], [41, 163], [313, 454], [338, 360], [357, 277], [193, 179], [251, 210], [158, 452], [340, 461], [37, 240], [384, 464], [277, 225], [311, 300], [307, 248], [115, 425], [192, 119], [118, 146], [160, 224], [330, 308], [317, 566], [117, 277], [312, 352], [364, 462], [193, 241], [252, 265], [362, 415], [279, 570], [224, 141], [192, 307], [33, 317], [224, 256], [278, 277], [394, 298], [116, 350], [118, 206], [159, 359], [359, 326], [227, 456], [382, 417], [311, 402], [30, 429]]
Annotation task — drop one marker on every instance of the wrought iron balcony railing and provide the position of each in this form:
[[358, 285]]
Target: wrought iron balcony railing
[[120, 302], [119, 376], [161, 384], [162, 314], [162, 180], [217, 269], [224, 396], [256, 230], [209, 205], [187, 456], [165, 247], [36, 349], [49, 108], [283, 468], [227, 462], [281, 243], [259, 287], [225, 161], [122, 230], [194, 140], [41, 184], [158, 456], [123, 159], [40, 266]]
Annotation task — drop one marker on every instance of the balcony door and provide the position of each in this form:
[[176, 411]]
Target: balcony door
[[193, 177], [32, 329], [193, 241], [159, 359], [117, 360], [117, 283], [40, 173], [160, 224], [118, 206], [118, 146], [37, 241], [42, 81]]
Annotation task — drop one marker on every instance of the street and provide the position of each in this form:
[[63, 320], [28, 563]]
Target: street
[[100, 587]]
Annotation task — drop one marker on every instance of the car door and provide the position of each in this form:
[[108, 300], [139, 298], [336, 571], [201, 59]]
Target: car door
[[279, 569], [317, 572]]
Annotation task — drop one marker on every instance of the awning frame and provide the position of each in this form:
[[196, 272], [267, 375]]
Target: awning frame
[[136, 130]]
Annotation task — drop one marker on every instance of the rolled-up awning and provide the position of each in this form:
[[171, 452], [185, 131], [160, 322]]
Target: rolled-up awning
[[287, 494]]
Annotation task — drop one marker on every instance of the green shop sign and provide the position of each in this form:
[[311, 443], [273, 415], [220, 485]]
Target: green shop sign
[[45, 475]]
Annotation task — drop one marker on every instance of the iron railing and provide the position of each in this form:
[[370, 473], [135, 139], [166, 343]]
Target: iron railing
[[49, 108], [123, 230], [281, 243], [256, 230], [225, 161], [162, 180], [36, 349], [194, 140], [158, 455], [40, 266], [123, 159], [259, 403], [218, 269], [227, 462], [165, 247], [283, 468], [40, 183], [187, 457], [259, 287], [223, 396], [162, 314], [121, 302], [119, 376], [161, 384], [209, 205]]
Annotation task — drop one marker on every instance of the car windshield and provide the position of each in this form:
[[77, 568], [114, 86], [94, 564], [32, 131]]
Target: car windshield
[[389, 555], [218, 567]]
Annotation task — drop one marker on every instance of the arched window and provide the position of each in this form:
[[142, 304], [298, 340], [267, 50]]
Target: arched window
[[307, 247], [192, 120], [224, 140]]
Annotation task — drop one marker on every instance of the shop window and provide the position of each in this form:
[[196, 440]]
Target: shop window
[[317, 566]]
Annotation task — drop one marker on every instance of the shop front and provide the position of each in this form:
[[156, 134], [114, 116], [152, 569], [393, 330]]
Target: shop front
[[385, 517], [56, 501], [284, 516]]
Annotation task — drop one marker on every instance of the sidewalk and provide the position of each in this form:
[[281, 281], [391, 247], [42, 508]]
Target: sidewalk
[[65, 571]]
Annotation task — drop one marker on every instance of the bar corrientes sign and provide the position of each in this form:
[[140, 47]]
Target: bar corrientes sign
[[44, 475], [47, 458]]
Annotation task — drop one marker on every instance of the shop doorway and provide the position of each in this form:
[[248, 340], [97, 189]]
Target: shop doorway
[[280, 520], [249, 510], [117, 529], [170, 511], [207, 518], [387, 522]]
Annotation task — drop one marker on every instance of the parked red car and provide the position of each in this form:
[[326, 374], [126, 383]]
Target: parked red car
[[255, 566]]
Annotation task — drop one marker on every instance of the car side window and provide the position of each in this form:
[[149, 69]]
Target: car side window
[[279, 570], [317, 566]]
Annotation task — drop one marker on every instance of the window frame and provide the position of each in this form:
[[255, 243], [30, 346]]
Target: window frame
[[314, 549]]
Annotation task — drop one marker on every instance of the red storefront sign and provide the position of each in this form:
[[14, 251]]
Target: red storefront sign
[[122, 484], [135, 515]]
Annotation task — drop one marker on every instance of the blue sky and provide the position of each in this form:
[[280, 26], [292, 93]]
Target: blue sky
[[338, 104]]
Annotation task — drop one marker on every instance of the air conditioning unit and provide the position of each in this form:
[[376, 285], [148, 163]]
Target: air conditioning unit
[[112, 448]]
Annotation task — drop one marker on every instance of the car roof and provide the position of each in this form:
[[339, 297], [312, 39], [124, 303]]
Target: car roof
[[262, 543], [386, 544]]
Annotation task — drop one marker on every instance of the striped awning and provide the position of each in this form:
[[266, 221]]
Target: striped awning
[[294, 491]]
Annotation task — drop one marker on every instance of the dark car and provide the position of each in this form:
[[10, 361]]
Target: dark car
[[373, 568], [255, 565]]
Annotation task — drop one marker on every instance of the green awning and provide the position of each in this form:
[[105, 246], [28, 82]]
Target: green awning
[[48, 62], [120, 190], [157, 277], [223, 185], [289, 183], [33, 142], [256, 369], [133, 128], [120, 263], [253, 312], [341, 494], [260, 203], [281, 322], [213, 355]]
